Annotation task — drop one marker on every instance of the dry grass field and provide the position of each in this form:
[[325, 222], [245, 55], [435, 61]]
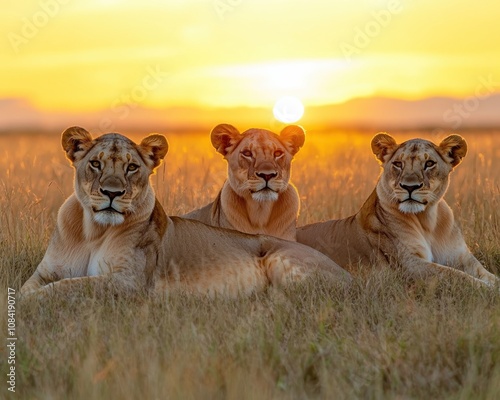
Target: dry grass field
[[381, 338]]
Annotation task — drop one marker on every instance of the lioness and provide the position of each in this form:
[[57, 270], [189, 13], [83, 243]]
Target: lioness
[[405, 221], [113, 234], [257, 197]]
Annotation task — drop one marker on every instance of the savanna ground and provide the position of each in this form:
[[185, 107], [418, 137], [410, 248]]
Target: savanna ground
[[380, 338]]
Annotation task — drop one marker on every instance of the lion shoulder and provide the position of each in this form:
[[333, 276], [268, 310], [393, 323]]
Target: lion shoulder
[[209, 214]]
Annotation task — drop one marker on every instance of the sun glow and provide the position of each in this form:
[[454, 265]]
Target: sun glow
[[288, 109], [62, 59]]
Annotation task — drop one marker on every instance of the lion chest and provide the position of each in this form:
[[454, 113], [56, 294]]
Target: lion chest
[[101, 258], [97, 263], [114, 255], [441, 246], [437, 248], [426, 251], [446, 250]]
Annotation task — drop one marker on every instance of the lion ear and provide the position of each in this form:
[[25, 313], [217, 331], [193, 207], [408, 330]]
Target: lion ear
[[453, 148], [75, 141], [223, 137], [294, 137], [155, 148], [383, 145]]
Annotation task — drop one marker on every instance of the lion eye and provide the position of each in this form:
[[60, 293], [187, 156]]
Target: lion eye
[[429, 164], [278, 153], [398, 164], [132, 167], [96, 164], [246, 153]]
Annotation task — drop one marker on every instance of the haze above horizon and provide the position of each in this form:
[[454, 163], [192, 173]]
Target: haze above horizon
[[66, 56]]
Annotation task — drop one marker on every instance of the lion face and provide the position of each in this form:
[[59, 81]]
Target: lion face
[[416, 173], [259, 161], [112, 172]]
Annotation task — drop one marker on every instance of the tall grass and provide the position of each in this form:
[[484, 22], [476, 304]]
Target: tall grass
[[380, 338]]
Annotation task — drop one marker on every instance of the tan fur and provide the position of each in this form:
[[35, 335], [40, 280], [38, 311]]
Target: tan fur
[[245, 203], [113, 235], [405, 221]]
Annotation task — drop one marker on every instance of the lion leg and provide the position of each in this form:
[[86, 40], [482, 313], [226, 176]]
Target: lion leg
[[289, 262], [32, 284], [474, 268], [45, 273], [422, 269], [282, 270], [99, 284]]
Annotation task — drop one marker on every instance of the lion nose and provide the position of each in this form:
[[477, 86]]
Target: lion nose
[[411, 188], [112, 194], [267, 177]]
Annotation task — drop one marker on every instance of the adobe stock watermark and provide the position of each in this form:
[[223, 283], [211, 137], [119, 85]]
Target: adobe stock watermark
[[126, 103], [222, 7], [365, 34], [460, 111], [11, 340], [31, 27]]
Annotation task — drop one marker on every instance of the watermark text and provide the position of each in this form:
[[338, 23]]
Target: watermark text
[[364, 35], [30, 27], [222, 7], [11, 340], [122, 106]]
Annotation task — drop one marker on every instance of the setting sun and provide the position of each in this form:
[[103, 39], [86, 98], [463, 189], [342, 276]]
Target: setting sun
[[288, 109]]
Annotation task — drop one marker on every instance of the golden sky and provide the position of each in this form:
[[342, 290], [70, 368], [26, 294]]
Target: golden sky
[[86, 55]]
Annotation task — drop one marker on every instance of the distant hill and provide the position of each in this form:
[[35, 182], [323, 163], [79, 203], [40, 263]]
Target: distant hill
[[376, 113], [436, 112]]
